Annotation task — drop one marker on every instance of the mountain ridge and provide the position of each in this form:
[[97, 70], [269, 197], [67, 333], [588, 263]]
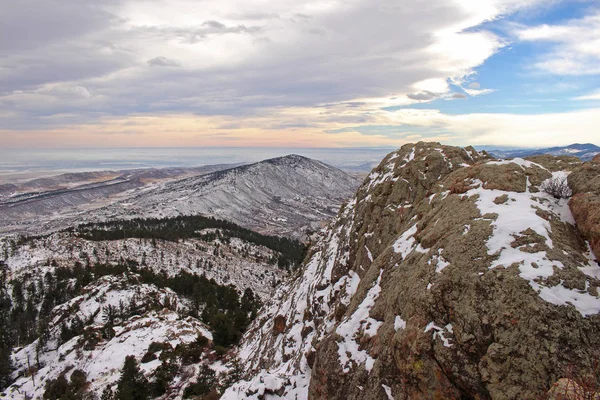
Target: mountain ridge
[[583, 151], [287, 195]]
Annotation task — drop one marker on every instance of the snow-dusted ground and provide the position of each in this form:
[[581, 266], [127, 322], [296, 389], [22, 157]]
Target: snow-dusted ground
[[245, 265], [103, 363]]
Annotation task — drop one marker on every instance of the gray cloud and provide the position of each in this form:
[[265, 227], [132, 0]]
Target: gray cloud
[[423, 96], [33, 24], [161, 61], [458, 96], [198, 33]]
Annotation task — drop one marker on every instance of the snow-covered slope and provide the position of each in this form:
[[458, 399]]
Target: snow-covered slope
[[100, 357], [286, 196], [122, 313], [448, 275], [283, 195], [584, 152], [243, 264], [56, 200]]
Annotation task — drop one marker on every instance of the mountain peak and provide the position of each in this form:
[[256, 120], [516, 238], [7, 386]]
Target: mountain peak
[[290, 159]]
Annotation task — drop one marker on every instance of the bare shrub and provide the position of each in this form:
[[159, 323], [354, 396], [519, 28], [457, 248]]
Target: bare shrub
[[557, 187], [578, 385]]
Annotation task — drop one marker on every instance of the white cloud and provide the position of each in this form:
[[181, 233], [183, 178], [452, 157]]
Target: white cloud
[[532, 130], [575, 46], [590, 96], [478, 92]]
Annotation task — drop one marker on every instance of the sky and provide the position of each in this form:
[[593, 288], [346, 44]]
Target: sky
[[298, 73]]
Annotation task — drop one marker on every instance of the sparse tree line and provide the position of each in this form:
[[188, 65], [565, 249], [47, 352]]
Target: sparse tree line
[[291, 252]]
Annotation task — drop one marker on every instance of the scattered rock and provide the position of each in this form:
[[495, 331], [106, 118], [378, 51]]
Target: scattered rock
[[279, 324], [501, 199]]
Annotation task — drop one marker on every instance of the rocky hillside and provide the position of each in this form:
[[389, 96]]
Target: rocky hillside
[[450, 275], [95, 331], [76, 303], [289, 195], [59, 200], [286, 195]]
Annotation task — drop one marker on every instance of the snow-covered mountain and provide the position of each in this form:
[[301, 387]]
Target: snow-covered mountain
[[26, 206], [449, 275], [287, 195], [584, 152]]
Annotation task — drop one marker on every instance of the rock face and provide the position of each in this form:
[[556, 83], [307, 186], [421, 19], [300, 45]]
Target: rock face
[[448, 276], [585, 204], [586, 178]]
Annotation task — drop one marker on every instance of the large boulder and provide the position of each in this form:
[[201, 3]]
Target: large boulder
[[585, 204], [448, 276], [586, 178]]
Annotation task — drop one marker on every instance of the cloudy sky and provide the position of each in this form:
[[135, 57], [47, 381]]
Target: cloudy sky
[[298, 73]]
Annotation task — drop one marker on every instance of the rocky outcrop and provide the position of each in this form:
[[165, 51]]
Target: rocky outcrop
[[586, 210], [449, 275], [585, 204], [586, 178]]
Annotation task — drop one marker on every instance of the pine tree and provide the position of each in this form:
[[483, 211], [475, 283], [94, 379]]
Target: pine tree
[[5, 339], [133, 385], [206, 382], [61, 389], [107, 394], [234, 374]]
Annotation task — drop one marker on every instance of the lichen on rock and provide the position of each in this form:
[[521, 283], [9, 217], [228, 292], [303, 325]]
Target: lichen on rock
[[490, 276]]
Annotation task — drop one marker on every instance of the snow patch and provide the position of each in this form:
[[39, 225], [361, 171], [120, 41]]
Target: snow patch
[[388, 391], [399, 323], [439, 332], [350, 328]]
